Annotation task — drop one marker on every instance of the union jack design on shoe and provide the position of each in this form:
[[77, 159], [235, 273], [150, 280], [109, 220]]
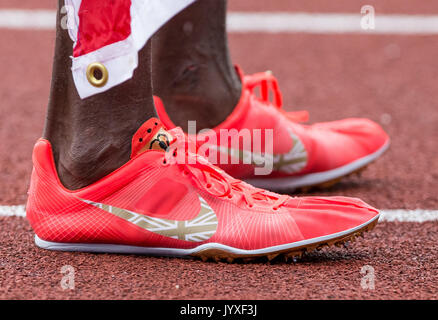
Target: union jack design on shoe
[[302, 155], [200, 228], [156, 204]]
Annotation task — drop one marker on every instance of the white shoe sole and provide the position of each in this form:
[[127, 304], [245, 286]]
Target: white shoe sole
[[215, 251], [314, 179]]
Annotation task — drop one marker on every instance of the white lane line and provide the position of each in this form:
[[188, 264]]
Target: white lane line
[[331, 23], [27, 19], [417, 215], [12, 211], [272, 22], [389, 215]]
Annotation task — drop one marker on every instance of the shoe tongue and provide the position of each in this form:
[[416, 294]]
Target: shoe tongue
[[150, 136]]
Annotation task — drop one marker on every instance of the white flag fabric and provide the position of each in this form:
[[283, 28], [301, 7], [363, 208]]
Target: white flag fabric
[[109, 34]]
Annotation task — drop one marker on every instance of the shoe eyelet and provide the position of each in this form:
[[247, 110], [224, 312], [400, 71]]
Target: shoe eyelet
[[275, 208], [208, 186], [230, 196], [250, 206]]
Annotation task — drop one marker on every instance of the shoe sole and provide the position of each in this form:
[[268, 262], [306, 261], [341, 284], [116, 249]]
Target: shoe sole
[[218, 252], [319, 179]]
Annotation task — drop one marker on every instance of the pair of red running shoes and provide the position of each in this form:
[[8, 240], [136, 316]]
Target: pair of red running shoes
[[170, 200]]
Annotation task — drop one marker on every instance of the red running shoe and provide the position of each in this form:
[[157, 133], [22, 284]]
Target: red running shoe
[[168, 201], [302, 155]]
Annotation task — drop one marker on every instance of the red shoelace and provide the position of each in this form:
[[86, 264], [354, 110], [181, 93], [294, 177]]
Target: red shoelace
[[268, 83], [214, 179]]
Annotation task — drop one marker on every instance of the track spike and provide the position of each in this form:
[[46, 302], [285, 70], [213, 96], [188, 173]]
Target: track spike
[[204, 258], [272, 256], [295, 254], [230, 259]]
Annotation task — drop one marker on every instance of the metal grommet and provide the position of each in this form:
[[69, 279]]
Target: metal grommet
[[92, 68]]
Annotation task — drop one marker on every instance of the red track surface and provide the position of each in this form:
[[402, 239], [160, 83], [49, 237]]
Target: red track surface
[[390, 79], [28, 4], [350, 6], [343, 6], [404, 262], [386, 78]]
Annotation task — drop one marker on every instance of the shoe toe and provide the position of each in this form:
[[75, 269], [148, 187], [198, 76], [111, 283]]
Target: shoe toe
[[338, 143], [364, 133], [322, 216]]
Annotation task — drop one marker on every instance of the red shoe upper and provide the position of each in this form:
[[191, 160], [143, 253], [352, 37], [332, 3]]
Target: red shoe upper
[[156, 201], [297, 148]]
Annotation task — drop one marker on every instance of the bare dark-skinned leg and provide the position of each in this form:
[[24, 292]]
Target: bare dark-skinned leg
[[192, 71], [92, 137]]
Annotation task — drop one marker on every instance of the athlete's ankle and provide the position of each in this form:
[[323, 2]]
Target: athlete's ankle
[[192, 71], [92, 137], [91, 152], [200, 93]]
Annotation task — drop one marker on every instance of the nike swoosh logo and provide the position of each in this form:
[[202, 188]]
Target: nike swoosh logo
[[291, 162], [199, 229]]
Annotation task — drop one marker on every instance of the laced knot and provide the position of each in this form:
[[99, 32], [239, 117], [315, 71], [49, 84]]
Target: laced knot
[[212, 179], [267, 84]]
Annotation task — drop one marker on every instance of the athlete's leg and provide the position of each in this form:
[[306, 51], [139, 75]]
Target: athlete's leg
[[192, 71], [92, 137], [194, 77]]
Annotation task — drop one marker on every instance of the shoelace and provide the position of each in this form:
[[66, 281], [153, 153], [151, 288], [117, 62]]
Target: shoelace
[[214, 177], [267, 82]]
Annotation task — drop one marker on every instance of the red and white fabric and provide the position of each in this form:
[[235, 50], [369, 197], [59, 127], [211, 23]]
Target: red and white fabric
[[112, 33]]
